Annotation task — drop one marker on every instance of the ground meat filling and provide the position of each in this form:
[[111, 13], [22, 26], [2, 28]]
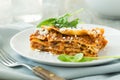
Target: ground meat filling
[[57, 42]]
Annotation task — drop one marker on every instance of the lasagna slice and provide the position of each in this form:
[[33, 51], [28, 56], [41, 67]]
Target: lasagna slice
[[68, 41]]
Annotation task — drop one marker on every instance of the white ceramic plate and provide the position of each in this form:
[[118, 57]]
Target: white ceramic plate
[[20, 43]]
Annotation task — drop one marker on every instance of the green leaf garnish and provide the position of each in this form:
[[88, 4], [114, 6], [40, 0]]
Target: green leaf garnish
[[47, 22], [80, 58], [67, 58], [62, 21], [85, 59]]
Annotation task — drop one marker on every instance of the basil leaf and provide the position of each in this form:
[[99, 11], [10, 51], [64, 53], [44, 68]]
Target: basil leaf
[[47, 22], [74, 23], [62, 57], [85, 59], [67, 58], [62, 21], [78, 57]]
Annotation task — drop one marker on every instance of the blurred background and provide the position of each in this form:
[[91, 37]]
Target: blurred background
[[103, 12]]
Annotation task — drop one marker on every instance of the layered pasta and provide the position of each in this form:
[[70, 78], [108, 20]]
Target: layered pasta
[[68, 41]]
